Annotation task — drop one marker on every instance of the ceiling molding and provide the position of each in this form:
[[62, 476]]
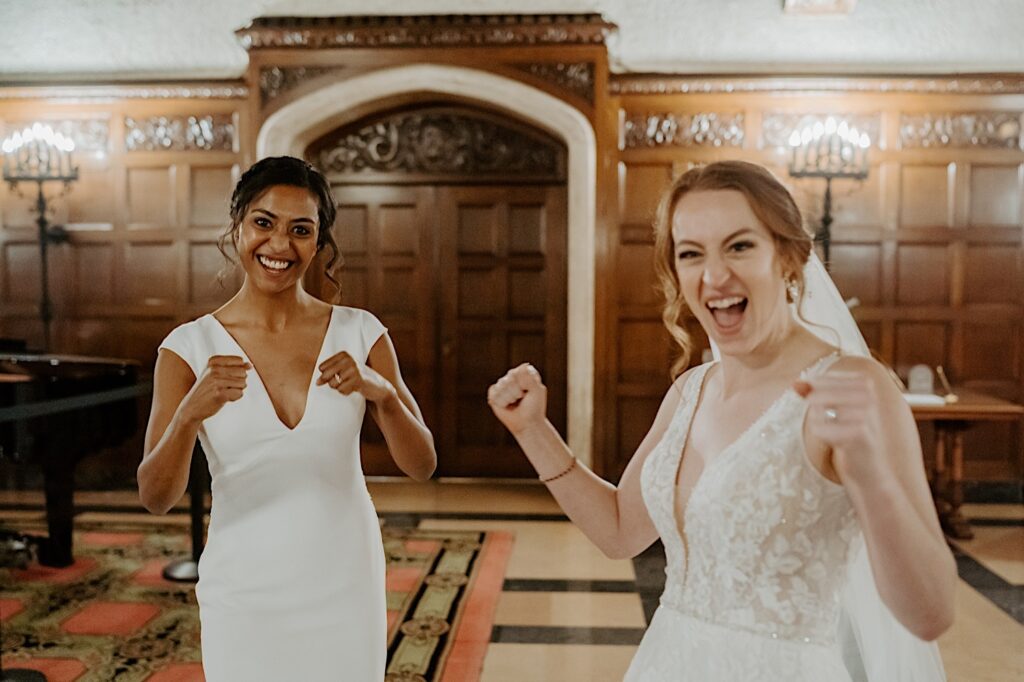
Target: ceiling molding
[[433, 30], [982, 84]]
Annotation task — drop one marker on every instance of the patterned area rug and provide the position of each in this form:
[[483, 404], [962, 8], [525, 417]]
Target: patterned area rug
[[112, 617]]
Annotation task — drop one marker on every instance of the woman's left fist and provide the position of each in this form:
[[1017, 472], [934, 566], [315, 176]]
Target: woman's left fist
[[342, 373], [844, 412]]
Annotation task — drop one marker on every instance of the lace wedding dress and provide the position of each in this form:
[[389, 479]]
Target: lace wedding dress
[[756, 565]]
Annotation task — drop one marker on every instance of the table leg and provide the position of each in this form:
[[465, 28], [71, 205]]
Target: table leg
[[956, 524], [940, 474]]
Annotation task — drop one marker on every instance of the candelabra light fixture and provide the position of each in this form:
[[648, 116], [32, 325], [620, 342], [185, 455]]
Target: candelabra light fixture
[[37, 154], [828, 149]]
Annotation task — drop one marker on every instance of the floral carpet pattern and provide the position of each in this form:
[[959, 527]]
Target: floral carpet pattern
[[111, 616]]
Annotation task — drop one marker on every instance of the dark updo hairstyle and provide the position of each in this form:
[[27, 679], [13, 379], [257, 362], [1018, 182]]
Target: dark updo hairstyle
[[285, 170]]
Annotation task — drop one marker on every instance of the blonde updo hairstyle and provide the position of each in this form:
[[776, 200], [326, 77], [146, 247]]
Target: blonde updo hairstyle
[[770, 202]]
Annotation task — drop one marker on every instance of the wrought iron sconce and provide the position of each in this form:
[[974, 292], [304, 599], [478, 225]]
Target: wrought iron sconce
[[39, 155], [830, 149]]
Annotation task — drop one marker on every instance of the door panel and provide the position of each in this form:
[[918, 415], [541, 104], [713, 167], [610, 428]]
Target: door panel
[[502, 271], [386, 236], [470, 281]]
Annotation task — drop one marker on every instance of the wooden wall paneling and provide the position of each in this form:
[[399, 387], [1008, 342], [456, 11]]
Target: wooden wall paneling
[[607, 220], [925, 196], [130, 271], [129, 215], [995, 195], [932, 243], [890, 177], [857, 271]]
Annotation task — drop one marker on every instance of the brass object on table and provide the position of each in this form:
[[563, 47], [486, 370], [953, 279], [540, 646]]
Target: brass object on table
[[950, 396]]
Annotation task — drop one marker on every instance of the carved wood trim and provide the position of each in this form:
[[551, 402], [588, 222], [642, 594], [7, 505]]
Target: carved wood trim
[[683, 129], [576, 78], [211, 132], [649, 84], [425, 31], [275, 81], [988, 129], [106, 92], [437, 141], [90, 134]]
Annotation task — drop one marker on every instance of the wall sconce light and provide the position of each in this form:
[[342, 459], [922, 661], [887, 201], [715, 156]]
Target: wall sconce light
[[828, 149], [39, 155]]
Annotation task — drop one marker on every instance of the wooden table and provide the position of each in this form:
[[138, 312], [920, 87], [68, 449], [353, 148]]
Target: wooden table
[[950, 421]]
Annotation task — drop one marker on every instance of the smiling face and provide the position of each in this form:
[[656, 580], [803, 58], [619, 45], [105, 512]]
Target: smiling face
[[729, 270], [277, 237]]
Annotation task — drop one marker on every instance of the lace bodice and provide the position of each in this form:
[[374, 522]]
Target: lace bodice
[[768, 539]]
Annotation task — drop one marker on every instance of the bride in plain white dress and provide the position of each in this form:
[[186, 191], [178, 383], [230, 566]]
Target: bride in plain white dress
[[275, 384], [785, 479]]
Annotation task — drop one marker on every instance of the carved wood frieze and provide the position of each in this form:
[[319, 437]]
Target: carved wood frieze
[[672, 85], [87, 92], [276, 80], [425, 31], [577, 78], [89, 134], [439, 141], [683, 129], [213, 132], [777, 126], [989, 129]]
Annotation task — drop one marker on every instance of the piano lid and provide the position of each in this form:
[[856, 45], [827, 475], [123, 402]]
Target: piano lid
[[40, 365]]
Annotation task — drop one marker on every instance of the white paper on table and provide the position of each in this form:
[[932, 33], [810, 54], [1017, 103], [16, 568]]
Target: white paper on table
[[923, 399]]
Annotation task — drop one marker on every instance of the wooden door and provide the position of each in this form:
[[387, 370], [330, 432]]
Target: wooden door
[[470, 281], [386, 237], [502, 268]]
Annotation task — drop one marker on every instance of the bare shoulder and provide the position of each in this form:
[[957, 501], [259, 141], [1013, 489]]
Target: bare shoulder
[[872, 372], [680, 382], [674, 395]]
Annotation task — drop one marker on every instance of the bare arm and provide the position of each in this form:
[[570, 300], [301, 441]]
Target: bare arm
[[877, 455], [409, 440], [613, 517], [180, 404], [389, 402]]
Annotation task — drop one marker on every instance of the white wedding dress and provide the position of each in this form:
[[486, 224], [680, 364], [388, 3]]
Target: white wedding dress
[[756, 568], [768, 577], [291, 581]]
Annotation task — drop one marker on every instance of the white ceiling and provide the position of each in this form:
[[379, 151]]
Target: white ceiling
[[61, 40]]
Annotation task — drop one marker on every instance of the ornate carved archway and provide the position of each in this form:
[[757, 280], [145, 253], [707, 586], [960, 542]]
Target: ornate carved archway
[[292, 128]]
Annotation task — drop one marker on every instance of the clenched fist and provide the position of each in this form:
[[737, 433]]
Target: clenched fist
[[845, 412], [519, 399], [221, 382], [342, 373]]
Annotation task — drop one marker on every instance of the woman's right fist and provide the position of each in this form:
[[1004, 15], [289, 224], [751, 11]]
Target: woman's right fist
[[519, 399], [221, 382]]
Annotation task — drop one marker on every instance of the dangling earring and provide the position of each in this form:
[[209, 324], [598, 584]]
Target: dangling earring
[[792, 289]]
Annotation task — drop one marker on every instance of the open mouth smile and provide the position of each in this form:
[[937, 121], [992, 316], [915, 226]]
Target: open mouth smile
[[728, 312], [273, 265]]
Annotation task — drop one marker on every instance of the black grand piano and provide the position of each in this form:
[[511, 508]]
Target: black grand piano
[[55, 410]]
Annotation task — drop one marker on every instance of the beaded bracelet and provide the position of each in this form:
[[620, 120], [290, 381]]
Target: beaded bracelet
[[572, 465]]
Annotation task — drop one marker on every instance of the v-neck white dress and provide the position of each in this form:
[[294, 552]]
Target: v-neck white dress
[[291, 581], [755, 569]]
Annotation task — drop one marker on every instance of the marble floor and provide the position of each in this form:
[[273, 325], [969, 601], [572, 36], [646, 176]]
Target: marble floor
[[570, 614]]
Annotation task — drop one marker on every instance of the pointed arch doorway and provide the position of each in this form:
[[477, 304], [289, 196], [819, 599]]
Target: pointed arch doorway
[[452, 224]]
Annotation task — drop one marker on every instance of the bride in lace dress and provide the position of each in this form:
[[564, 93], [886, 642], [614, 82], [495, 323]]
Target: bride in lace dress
[[785, 479]]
